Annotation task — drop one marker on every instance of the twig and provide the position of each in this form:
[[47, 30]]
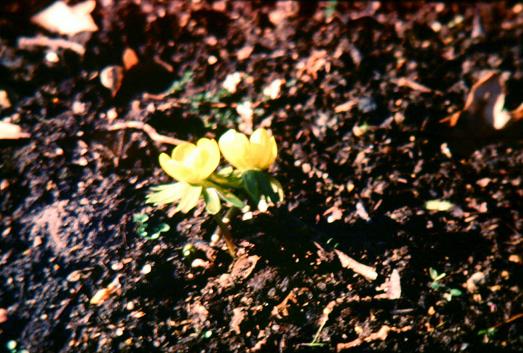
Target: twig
[[52, 43], [375, 336], [148, 129]]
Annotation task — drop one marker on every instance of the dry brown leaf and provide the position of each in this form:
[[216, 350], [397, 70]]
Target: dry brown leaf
[[65, 19], [104, 294], [486, 101], [129, 58], [364, 270], [392, 287], [10, 131], [112, 77], [3, 315]]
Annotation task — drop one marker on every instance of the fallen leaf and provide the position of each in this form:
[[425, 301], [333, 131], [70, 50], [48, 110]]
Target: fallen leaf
[[104, 294], [364, 270], [10, 131], [112, 77], [65, 19], [394, 287], [486, 101], [3, 315], [129, 58]]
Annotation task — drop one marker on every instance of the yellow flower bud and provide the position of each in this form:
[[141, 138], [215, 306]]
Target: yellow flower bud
[[192, 163], [256, 153]]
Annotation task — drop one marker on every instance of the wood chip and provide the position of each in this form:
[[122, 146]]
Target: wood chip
[[238, 314], [392, 286], [405, 82], [245, 52], [51, 43], [364, 270], [10, 131], [62, 18], [345, 107]]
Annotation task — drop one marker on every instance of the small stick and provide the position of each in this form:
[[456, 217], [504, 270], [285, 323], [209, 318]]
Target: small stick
[[148, 129], [52, 43]]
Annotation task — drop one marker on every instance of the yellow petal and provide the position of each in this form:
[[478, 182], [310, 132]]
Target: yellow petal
[[173, 168], [264, 148], [234, 147], [209, 154], [182, 151]]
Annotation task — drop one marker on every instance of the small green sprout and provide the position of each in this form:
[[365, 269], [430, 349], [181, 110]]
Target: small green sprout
[[147, 232], [489, 332], [245, 180], [437, 285]]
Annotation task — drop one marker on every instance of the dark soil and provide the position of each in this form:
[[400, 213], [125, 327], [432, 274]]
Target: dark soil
[[69, 192]]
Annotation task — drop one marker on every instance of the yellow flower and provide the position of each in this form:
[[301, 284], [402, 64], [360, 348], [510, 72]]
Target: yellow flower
[[257, 153], [192, 163]]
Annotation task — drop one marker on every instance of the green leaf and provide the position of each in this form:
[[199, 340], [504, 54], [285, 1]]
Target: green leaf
[[435, 275], [250, 183], [435, 285], [212, 200], [190, 198], [455, 292], [140, 218], [231, 198], [265, 186], [162, 228]]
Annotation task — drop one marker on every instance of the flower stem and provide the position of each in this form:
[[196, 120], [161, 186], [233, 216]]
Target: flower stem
[[224, 230]]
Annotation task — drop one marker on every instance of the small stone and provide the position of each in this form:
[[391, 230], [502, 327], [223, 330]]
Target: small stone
[[3, 315], [74, 276], [146, 269], [211, 60], [474, 281]]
